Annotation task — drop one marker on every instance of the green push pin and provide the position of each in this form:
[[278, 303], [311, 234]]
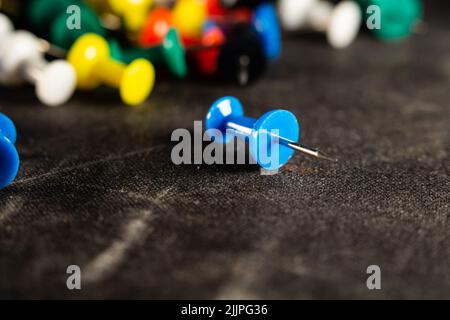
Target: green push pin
[[48, 18], [41, 13], [398, 17], [170, 52], [62, 37]]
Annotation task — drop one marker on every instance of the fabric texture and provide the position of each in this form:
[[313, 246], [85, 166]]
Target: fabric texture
[[97, 187]]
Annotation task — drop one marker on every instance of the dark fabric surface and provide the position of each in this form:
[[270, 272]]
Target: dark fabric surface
[[97, 187]]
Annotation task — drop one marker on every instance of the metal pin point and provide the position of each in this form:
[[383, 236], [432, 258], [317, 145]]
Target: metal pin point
[[311, 152]]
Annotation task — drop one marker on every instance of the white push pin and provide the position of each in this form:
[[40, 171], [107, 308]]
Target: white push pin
[[6, 27], [21, 59], [340, 22]]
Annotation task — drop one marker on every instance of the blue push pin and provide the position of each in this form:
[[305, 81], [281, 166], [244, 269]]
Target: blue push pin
[[9, 158], [274, 127], [265, 21]]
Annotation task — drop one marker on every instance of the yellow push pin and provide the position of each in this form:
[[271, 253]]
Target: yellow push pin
[[90, 56], [189, 17], [133, 12]]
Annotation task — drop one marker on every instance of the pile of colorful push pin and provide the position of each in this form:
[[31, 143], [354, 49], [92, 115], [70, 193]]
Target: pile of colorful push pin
[[120, 43]]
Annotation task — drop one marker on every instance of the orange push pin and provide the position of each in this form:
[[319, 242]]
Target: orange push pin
[[90, 56], [156, 27]]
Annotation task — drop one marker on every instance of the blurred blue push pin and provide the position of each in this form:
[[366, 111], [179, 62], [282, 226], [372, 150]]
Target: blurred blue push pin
[[277, 129], [266, 23], [9, 158]]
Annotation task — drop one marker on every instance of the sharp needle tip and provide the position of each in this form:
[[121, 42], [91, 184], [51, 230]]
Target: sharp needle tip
[[324, 157], [312, 152]]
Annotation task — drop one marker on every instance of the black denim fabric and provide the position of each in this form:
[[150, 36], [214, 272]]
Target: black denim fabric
[[97, 187]]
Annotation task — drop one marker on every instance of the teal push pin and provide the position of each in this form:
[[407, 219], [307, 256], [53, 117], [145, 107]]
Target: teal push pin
[[398, 18], [170, 52], [277, 129], [9, 158]]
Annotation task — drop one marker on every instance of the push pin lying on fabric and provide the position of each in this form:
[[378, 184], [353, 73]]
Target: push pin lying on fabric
[[89, 64], [91, 57], [21, 60], [276, 129], [9, 158], [45, 47], [169, 52]]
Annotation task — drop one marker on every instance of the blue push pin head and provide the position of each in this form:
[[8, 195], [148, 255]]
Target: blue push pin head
[[284, 126], [266, 23], [272, 138], [220, 111], [9, 158]]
